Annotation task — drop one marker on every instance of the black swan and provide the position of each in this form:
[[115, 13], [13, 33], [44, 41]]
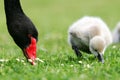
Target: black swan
[[21, 28]]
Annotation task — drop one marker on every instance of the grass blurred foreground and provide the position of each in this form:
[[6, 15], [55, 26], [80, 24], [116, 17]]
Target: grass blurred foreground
[[56, 60]]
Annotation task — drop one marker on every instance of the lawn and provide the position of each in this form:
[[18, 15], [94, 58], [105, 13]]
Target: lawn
[[52, 18]]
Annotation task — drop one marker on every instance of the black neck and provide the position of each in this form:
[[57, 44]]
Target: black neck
[[12, 7]]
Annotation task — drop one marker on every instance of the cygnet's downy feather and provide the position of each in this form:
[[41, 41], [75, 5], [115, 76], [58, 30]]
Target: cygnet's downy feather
[[116, 34]]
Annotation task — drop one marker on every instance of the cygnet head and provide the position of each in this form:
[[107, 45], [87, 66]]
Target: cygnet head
[[97, 47]]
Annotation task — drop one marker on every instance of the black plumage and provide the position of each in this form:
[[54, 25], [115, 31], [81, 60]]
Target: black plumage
[[19, 25]]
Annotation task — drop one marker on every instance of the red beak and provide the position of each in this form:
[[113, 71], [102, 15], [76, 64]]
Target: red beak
[[30, 51]]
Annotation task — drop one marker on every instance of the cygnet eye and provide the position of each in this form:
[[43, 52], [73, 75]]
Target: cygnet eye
[[96, 50]]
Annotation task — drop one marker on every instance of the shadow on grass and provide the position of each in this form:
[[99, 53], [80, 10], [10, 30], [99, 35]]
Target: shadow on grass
[[85, 59]]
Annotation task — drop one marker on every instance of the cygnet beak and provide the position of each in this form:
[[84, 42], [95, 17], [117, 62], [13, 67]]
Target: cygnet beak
[[100, 57]]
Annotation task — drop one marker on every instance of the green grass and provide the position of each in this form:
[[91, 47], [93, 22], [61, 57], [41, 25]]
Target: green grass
[[52, 19]]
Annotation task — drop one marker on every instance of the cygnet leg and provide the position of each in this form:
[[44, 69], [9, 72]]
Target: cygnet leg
[[76, 50]]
